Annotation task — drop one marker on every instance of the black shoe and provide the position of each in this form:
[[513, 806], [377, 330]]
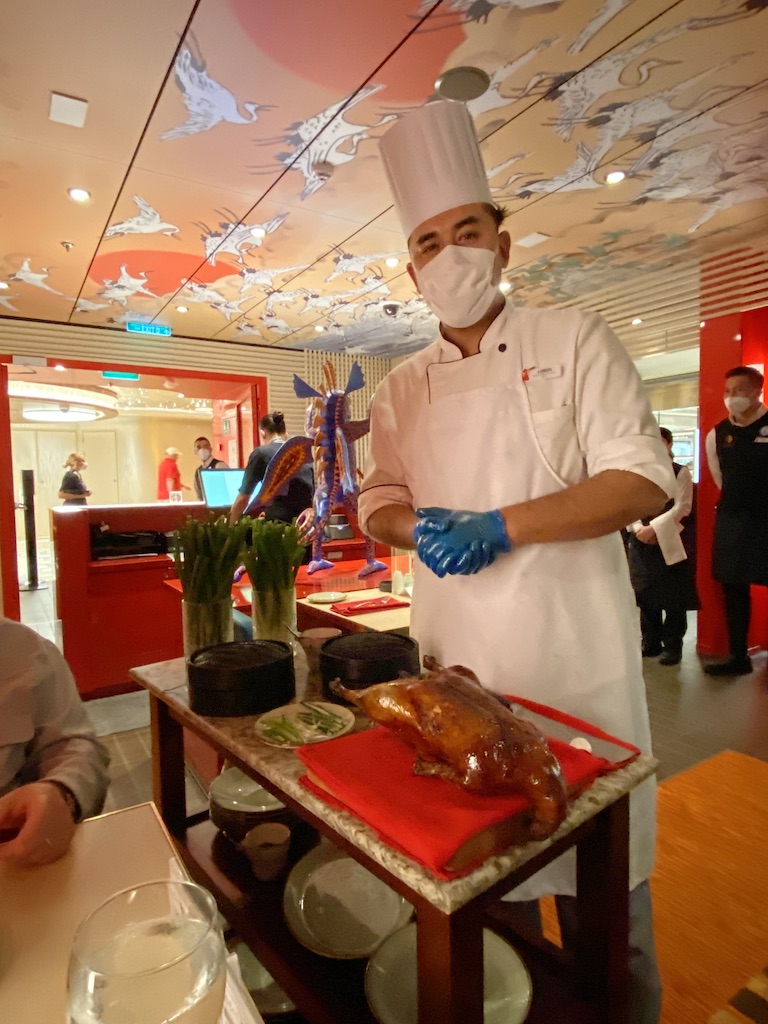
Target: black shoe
[[732, 667], [652, 652], [671, 656]]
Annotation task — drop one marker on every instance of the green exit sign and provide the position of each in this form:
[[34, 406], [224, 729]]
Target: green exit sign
[[118, 375]]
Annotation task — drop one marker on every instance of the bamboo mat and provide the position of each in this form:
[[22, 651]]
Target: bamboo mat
[[710, 893], [710, 890]]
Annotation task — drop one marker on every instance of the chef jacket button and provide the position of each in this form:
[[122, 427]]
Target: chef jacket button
[[502, 347]]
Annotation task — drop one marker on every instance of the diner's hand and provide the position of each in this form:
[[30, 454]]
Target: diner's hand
[[40, 823], [459, 542]]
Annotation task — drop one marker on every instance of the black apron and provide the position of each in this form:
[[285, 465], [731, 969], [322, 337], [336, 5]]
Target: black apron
[[656, 584], [740, 547]]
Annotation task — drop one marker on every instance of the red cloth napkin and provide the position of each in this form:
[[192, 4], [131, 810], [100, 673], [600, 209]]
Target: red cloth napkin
[[428, 819], [373, 604]]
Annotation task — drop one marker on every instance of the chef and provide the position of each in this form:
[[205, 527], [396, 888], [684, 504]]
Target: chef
[[737, 455], [524, 440]]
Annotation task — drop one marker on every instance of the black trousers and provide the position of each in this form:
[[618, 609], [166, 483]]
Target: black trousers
[[738, 607], [663, 629]]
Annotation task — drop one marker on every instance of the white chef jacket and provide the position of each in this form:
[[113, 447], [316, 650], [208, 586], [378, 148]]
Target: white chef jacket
[[44, 730], [551, 399]]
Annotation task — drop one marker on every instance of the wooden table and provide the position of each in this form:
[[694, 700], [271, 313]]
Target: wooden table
[[450, 915]]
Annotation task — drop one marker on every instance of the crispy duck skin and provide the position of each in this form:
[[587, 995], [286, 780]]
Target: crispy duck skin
[[464, 734]]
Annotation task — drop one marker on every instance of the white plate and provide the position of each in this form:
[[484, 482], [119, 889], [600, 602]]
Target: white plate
[[235, 791], [326, 597], [390, 980], [291, 712], [336, 908]]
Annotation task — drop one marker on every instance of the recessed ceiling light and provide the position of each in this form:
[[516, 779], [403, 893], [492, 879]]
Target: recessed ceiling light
[[80, 195], [703, 323], [392, 261], [59, 367], [614, 177], [67, 110], [4, 284], [528, 241], [319, 327], [182, 309], [737, 337], [504, 286], [258, 232], [462, 83], [181, 394], [637, 320], [63, 414]]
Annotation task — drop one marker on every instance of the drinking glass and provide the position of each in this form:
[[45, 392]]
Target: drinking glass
[[152, 954]]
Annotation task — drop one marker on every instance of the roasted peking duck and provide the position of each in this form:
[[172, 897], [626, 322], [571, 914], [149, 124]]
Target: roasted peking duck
[[467, 735]]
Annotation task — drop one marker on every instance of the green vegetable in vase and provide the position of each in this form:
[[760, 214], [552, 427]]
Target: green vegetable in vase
[[274, 554], [206, 553]]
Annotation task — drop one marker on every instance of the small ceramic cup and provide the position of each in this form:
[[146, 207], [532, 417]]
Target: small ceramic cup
[[266, 847]]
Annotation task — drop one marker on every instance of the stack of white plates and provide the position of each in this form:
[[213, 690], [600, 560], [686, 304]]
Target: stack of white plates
[[390, 980], [336, 908]]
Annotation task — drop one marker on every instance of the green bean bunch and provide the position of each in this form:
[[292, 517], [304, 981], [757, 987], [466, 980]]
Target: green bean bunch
[[274, 554], [206, 553]]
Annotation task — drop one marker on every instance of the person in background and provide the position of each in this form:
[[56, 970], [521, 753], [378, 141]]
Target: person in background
[[661, 573], [204, 452], [737, 455], [169, 475], [73, 489], [53, 770], [510, 452], [285, 507]]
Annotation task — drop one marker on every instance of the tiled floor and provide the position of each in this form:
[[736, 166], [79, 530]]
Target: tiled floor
[[693, 716]]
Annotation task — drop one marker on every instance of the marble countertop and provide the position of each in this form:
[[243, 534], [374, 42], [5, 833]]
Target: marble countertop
[[167, 680]]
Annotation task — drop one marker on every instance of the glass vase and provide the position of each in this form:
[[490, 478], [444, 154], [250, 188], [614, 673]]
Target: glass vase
[[274, 615], [206, 623]]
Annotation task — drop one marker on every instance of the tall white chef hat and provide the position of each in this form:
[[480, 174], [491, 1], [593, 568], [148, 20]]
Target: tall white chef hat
[[433, 162]]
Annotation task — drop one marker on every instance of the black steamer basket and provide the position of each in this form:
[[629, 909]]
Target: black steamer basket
[[240, 678], [362, 659]]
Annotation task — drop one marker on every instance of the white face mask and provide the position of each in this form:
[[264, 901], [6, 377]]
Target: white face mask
[[203, 454], [460, 284], [737, 403]]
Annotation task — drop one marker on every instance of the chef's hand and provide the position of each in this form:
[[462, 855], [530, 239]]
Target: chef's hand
[[458, 542], [36, 824]]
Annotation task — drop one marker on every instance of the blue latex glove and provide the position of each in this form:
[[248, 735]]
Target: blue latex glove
[[457, 542]]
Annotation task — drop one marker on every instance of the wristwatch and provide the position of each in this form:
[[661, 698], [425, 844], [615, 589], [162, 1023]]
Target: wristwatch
[[69, 797]]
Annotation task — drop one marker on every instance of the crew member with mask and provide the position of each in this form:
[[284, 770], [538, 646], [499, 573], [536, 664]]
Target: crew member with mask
[[737, 455], [204, 452], [521, 575]]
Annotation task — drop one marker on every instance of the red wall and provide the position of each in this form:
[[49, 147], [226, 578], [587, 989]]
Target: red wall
[[726, 341]]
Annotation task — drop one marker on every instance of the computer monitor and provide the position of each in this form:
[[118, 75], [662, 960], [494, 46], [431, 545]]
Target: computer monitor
[[221, 486]]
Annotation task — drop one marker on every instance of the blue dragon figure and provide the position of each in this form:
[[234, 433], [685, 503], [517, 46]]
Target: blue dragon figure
[[329, 445]]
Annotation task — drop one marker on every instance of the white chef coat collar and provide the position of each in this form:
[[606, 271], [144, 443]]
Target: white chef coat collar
[[761, 411], [497, 329]]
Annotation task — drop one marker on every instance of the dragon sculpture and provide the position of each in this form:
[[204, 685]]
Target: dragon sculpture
[[329, 446]]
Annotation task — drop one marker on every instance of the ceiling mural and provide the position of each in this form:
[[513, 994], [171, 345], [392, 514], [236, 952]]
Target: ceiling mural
[[230, 153]]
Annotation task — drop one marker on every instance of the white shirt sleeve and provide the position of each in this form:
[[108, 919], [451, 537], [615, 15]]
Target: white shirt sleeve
[[615, 425], [668, 525], [710, 449], [45, 731], [384, 482]]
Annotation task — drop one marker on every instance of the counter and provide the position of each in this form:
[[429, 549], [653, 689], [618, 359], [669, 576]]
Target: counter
[[115, 611]]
